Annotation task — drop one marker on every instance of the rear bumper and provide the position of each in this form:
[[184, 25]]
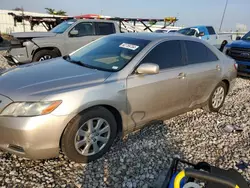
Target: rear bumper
[[32, 137]]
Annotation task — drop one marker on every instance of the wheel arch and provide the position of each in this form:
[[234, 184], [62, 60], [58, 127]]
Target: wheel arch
[[112, 109], [55, 49]]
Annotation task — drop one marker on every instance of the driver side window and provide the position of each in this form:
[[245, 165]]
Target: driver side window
[[167, 55], [82, 29]]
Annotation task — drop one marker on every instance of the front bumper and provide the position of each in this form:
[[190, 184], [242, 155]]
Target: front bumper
[[11, 60], [243, 68], [32, 137], [17, 56]]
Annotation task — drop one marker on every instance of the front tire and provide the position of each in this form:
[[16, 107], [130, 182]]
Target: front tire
[[217, 98], [43, 55], [89, 135]]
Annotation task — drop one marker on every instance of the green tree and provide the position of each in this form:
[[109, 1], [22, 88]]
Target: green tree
[[54, 12], [18, 9]]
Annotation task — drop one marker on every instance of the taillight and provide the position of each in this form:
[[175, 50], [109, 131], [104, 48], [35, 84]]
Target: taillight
[[236, 66]]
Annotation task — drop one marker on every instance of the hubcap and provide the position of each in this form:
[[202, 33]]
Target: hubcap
[[92, 136], [218, 97], [45, 57]]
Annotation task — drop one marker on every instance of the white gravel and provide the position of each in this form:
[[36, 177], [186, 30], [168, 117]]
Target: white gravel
[[137, 162]]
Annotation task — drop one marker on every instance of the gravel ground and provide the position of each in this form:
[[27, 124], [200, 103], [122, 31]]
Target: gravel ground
[[137, 161], [3, 63]]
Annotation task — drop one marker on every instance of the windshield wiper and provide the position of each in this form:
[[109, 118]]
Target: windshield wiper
[[68, 58]]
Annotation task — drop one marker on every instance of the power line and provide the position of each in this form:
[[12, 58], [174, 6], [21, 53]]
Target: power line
[[223, 15]]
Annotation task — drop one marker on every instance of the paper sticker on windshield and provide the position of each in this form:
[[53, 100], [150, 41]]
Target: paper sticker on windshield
[[115, 67], [129, 46]]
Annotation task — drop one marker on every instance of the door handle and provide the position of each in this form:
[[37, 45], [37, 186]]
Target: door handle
[[182, 75], [218, 67]]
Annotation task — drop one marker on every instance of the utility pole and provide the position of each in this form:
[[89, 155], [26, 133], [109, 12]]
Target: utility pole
[[23, 20], [223, 15]]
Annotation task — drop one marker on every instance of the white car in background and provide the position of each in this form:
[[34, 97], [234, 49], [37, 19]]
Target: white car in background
[[208, 34], [166, 30]]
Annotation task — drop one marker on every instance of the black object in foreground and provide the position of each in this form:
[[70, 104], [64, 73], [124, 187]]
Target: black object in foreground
[[212, 176]]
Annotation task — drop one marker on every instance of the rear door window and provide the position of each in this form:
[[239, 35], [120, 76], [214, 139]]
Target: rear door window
[[167, 55], [211, 30], [105, 28], [199, 53]]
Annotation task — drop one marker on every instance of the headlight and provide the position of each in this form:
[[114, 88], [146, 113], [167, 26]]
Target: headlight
[[30, 108]]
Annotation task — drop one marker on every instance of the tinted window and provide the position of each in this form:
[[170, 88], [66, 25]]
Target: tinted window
[[166, 55], [211, 56], [105, 28], [84, 29], [109, 53], [211, 30], [199, 53], [246, 36]]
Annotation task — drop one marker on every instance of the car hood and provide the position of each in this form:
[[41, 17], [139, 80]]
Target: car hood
[[240, 44], [29, 82], [33, 34]]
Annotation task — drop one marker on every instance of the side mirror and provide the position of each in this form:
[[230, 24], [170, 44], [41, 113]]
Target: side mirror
[[238, 38], [73, 32], [201, 34], [148, 68]]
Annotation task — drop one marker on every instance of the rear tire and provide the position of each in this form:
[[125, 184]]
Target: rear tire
[[77, 133], [43, 55], [217, 98]]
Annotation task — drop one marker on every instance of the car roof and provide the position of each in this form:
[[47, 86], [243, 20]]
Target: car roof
[[152, 36], [168, 29], [95, 20]]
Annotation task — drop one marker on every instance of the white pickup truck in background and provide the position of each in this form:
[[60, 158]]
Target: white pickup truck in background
[[208, 34]]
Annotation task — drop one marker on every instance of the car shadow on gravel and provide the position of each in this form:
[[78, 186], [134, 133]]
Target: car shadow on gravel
[[136, 162]]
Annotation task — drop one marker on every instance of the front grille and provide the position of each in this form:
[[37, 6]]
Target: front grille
[[240, 54], [243, 67]]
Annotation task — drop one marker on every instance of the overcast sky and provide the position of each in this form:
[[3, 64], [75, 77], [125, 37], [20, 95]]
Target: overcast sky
[[190, 12]]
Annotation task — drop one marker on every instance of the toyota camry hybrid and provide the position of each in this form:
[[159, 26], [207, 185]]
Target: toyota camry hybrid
[[81, 102]]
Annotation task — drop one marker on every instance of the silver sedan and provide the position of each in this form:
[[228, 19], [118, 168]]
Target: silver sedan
[[81, 102]]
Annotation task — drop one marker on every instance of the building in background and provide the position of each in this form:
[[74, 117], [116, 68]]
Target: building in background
[[7, 22]]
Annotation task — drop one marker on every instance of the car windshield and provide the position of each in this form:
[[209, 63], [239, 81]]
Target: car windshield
[[62, 26], [110, 53], [160, 31], [246, 36], [187, 31]]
